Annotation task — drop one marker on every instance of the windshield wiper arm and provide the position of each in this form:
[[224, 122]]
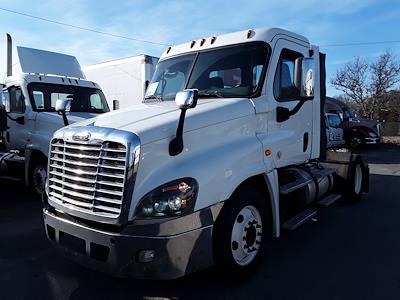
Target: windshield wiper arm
[[210, 94], [157, 98]]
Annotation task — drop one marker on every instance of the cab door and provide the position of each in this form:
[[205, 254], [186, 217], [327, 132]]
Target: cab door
[[18, 133], [288, 137]]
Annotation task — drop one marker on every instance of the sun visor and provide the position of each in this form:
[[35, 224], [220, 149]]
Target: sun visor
[[49, 63]]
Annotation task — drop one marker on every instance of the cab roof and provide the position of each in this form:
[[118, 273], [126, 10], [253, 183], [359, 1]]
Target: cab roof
[[245, 36]]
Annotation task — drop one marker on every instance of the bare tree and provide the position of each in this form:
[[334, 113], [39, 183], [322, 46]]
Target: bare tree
[[367, 85], [352, 81], [385, 74]]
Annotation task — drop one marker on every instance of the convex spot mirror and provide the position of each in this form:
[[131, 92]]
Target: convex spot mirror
[[5, 100], [304, 77], [63, 105], [187, 98]]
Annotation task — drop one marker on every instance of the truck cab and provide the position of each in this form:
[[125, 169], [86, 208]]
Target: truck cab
[[227, 150], [357, 131], [30, 97]]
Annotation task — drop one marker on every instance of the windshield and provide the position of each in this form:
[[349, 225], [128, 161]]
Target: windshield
[[226, 72], [84, 99]]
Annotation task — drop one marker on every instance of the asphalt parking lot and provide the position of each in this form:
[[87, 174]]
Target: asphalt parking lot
[[351, 251]]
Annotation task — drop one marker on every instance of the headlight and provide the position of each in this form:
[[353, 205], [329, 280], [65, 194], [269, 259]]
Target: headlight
[[372, 134], [172, 199]]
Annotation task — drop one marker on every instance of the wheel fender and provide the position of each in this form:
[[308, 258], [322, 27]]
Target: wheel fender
[[272, 182], [28, 155]]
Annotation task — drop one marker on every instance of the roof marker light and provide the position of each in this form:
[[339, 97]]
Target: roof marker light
[[192, 44], [202, 41], [213, 38]]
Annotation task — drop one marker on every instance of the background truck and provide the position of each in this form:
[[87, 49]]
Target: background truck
[[334, 130], [163, 189], [29, 116], [124, 80], [357, 131]]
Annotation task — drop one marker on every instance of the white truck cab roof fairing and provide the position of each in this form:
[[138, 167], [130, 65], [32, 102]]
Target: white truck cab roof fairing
[[46, 62], [261, 34]]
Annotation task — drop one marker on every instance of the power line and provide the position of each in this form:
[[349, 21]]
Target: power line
[[360, 44], [161, 44], [82, 28]]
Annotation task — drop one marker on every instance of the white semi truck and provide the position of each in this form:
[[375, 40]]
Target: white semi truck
[[30, 97], [163, 189], [123, 81]]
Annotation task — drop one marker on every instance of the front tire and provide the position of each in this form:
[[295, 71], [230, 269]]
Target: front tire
[[239, 233], [38, 176]]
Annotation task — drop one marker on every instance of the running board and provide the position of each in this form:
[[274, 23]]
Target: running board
[[329, 200], [299, 219], [294, 185], [11, 178]]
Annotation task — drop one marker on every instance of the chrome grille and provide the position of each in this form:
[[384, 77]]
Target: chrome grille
[[88, 177]]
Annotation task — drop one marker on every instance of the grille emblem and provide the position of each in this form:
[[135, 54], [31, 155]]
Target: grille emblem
[[81, 136]]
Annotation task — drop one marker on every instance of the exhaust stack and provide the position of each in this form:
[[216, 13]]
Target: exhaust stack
[[9, 55]]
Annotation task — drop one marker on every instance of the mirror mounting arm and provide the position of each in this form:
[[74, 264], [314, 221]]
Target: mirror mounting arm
[[66, 123], [185, 100], [176, 145]]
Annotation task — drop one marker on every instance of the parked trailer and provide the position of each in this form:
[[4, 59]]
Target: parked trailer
[[172, 188], [124, 80]]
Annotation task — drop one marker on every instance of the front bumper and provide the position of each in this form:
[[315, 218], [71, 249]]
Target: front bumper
[[372, 140], [181, 245]]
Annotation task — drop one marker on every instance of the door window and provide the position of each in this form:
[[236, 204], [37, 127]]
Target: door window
[[95, 102], [284, 88], [17, 100]]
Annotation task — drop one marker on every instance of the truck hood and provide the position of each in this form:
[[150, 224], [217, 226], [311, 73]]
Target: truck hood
[[159, 120], [72, 117]]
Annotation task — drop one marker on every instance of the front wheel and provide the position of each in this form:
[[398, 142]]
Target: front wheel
[[38, 176], [239, 233], [355, 141]]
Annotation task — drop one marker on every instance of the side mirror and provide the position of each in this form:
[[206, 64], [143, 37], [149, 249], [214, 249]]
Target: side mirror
[[187, 98], [5, 100], [304, 77], [62, 106], [184, 100], [115, 104]]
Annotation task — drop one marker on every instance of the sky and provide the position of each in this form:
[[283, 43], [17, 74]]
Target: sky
[[166, 22]]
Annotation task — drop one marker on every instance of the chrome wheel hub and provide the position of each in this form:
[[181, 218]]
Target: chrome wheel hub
[[246, 235]]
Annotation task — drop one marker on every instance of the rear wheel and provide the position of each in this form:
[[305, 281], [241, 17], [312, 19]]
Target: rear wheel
[[355, 181], [239, 233]]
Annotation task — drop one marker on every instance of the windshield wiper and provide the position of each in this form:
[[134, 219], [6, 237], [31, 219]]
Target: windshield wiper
[[210, 94], [155, 97]]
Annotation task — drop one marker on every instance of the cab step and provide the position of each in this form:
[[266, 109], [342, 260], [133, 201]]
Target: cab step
[[299, 219], [11, 178], [294, 185], [329, 200]]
